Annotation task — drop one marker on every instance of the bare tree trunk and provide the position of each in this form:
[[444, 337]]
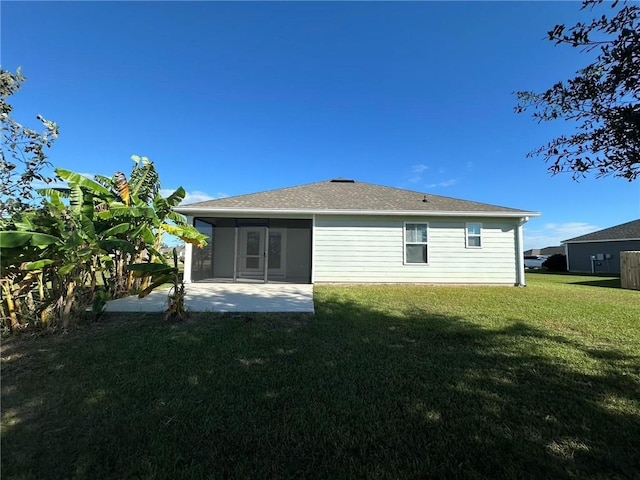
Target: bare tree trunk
[[41, 286], [68, 305], [11, 306]]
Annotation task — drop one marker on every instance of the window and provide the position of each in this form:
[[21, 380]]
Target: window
[[415, 243], [474, 235]]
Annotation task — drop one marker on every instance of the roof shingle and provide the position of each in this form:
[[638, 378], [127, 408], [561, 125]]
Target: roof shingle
[[625, 231], [347, 196]]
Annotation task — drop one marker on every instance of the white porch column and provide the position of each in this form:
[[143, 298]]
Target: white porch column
[[188, 253], [520, 277]]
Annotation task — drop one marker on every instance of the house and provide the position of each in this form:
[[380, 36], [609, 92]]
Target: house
[[599, 252], [544, 252], [348, 231], [168, 251]]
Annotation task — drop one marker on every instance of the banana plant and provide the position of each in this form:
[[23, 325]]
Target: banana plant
[[160, 274], [143, 206], [86, 242], [21, 266]]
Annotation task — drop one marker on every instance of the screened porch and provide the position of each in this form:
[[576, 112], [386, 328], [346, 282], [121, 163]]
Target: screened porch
[[253, 250]]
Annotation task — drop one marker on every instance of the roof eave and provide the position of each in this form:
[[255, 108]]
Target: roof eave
[[601, 240], [193, 211]]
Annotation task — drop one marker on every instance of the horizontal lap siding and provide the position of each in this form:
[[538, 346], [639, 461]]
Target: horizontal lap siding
[[370, 249]]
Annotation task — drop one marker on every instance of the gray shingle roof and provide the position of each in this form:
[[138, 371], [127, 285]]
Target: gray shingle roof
[[625, 231], [346, 196]]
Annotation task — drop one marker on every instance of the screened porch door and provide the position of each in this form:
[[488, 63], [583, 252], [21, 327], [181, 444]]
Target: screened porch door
[[254, 250]]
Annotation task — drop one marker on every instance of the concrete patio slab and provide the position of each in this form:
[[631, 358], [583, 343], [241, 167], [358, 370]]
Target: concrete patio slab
[[226, 297]]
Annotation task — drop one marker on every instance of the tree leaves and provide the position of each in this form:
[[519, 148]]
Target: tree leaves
[[23, 151], [144, 181], [94, 228], [16, 239], [602, 101], [82, 181], [37, 265]]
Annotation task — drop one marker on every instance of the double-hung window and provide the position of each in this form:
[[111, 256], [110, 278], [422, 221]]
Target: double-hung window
[[474, 235], [415, 243]]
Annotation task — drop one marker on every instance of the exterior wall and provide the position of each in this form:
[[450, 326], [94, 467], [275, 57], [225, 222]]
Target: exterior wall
[[579, 255], [370, 249]]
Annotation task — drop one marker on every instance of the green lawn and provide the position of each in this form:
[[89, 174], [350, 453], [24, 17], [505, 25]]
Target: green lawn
[[383, 382]]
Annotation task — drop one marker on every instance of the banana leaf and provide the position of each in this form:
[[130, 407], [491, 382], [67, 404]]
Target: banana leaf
[[87, 227], [37, 265], [146, 269], [117, 229], [115, 244], [13, 239], [67, 269], [81, 181], [156, 283], [176, 197]]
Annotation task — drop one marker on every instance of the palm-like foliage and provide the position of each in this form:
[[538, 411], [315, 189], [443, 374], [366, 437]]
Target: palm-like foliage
[[82, 246]]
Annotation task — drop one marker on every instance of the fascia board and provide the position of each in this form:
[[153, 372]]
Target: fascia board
[[396, 213]]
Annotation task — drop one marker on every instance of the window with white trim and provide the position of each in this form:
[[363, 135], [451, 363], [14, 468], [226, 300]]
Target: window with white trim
[[474, 235], [415, 243]]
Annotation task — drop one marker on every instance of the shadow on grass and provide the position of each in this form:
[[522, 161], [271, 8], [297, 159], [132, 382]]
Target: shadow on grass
[[356, 392], [606, 283]]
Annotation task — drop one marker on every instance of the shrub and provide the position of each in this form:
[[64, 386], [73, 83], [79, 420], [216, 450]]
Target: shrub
[[556, 263]]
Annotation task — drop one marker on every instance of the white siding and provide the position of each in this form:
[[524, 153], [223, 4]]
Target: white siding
[[370, 249]]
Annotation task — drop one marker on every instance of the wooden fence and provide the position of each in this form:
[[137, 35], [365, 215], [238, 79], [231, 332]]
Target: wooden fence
[[630, 270]]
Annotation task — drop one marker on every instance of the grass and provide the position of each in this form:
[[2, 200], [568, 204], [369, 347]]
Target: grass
[[383, 382]]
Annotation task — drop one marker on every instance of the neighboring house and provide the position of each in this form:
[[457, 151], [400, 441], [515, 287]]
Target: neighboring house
[[346, 231], [544, 252], [168, 251], [599, 252]]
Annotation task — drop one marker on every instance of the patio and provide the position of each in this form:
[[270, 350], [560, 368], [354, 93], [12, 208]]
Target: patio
[[226, 297]]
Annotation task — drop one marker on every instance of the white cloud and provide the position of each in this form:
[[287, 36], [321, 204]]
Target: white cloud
[[445, 184], [194, 196], [417, 171], [551, 234]]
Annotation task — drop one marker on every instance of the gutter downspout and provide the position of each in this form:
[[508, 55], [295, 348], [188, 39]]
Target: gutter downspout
[[520, 277], [313, 249]]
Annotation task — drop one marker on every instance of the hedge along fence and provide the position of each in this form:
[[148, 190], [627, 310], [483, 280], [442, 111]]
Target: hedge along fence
[[630, 270]]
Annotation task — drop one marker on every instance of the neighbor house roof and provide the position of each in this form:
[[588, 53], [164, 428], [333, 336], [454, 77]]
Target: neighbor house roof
[[347, 197], [545, 251], [626, 231]]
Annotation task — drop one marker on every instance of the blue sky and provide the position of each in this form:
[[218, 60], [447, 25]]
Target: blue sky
[[230, 98]]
